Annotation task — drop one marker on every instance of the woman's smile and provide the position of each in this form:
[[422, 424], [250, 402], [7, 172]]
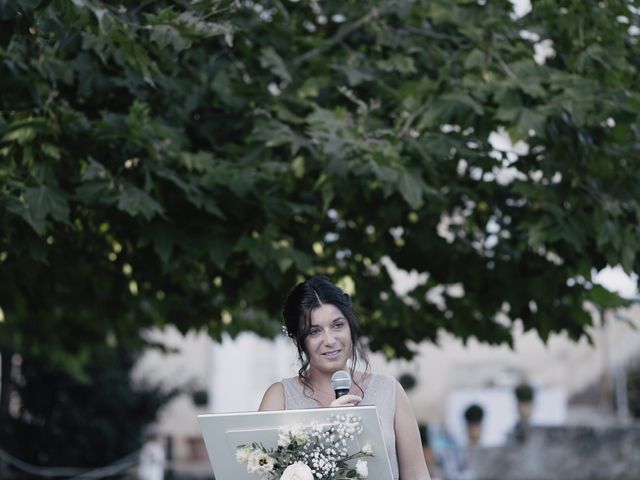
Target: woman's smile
[[332, 353]]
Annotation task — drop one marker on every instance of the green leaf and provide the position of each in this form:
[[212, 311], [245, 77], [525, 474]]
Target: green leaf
[[398, 63], [51, 151], [411, 188], [355, 76], [270, 59], [165, 35], [47, 201], [96, 192], [135, 202], [22, 135], [163, 243], [475, 59], [528, 121], [606, 298], [37, 223], [275, 134], [219, 250], [95, 171], [192, 192]]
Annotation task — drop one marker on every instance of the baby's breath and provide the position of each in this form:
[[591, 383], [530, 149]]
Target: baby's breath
[[327, 449]]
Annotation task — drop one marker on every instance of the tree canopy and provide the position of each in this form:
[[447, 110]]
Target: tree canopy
[[187, 163]]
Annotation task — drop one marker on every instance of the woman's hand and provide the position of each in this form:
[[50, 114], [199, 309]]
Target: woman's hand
[[346, 401]]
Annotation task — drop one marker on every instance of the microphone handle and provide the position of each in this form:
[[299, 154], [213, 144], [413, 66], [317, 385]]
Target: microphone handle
[[341, 391]]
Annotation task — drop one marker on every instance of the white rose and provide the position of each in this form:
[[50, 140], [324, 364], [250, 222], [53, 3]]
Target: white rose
[[362, 469], [367, 449], [242, 454], [300, 436], [289, 433], [259, 462], [297, 471]]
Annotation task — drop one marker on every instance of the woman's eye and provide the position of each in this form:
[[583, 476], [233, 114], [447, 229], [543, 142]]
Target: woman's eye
[[313, 331], [338, 324]]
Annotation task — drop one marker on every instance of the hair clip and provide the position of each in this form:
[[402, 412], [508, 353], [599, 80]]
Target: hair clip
[[347, 298]]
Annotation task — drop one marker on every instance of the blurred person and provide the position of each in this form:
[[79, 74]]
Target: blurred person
[[320, 319], [525, 395], [152, 459], [427, 450], [473, 415], [451, 460]]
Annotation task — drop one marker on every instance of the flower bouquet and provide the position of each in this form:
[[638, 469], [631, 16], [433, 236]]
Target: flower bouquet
[[312, 452]]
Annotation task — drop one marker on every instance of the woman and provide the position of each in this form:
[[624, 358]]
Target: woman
[[321, 321]]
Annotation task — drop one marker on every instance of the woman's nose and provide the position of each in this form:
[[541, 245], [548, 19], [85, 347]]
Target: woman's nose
[[329, 338]]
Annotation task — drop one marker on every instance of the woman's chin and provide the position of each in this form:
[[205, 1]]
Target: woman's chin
[[332, 366]]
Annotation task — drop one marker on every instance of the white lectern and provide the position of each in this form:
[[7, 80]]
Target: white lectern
[[224, 432]]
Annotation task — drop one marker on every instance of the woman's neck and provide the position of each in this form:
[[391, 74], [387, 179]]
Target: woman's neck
[[321, 390], [320, 379]]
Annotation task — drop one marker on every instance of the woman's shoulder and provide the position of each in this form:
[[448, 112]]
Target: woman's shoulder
[[285, 384], [290, 380], [366, 377], [375, 382], [383, 378], [273, 398], [383, 385]]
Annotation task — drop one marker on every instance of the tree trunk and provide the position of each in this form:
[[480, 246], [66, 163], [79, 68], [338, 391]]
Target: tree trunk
[[5, 393], [5, 384]]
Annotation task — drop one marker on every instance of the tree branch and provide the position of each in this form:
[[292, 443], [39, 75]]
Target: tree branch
[[504, 66], [337, 38], [409, 121]]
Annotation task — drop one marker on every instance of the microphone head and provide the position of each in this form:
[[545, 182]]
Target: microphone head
[[341, 380]]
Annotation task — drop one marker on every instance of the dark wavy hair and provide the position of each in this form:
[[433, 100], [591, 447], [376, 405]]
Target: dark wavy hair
[[304, 299]]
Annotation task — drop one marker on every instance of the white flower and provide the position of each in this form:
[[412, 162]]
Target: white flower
[[284, 439], [289, 433], [362, 469], [300, 437], [259, 462], [367, 449], [297, 471], [242, 454]]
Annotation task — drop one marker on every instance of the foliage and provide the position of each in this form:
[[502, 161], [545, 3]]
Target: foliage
[[408, 381], [59, 421], [187, 163], [200, 397]]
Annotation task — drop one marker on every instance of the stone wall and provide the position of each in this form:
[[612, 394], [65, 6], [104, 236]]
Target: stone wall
[[562, 453]]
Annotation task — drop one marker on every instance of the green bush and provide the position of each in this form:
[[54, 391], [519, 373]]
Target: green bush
[[200, 398], [62, 421]]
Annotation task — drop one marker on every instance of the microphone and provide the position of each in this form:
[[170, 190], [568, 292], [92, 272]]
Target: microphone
[[341, 383]]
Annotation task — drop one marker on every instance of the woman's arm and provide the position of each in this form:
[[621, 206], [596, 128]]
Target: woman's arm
[[411, 462], [273, 398]]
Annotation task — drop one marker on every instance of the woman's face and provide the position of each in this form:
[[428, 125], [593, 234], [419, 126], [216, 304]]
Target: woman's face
[[329, 341]]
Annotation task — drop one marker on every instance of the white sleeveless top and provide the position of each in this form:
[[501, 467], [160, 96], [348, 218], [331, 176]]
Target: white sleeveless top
[[381, 392]]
